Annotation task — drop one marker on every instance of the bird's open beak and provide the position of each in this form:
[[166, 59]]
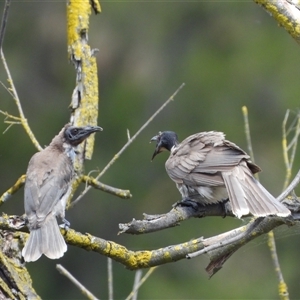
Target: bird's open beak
[[155, 138], [157, 148]]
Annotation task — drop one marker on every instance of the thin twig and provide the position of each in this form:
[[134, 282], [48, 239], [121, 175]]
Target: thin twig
[[4, 21], [12, 90], [271, 238], [283, 289], [110, 279], [140, 283], [7, 194], [116, 156], [137, 279], [248, 136], [289, 161], [89, 180], [6, 88], [18, 103], [139, 131], [83, 289], [285, 149], [290, 188]]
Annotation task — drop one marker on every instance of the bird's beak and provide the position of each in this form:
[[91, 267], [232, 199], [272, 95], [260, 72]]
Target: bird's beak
[[85, 132], [91, 129], [157, 148], [155, 138]]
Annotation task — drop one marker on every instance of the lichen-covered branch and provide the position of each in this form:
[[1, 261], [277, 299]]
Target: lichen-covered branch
[[84, 104], [15, 281], [6, 195], [286, 13], [132, 259], [93, 182], [219, 248], [125, 194]]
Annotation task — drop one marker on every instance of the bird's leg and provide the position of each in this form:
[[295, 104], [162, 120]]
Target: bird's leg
[[25, 218], [224, 207], [66, 224], [188, 202]]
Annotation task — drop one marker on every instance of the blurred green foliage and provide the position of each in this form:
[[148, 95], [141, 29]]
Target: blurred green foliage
[[229, 54]]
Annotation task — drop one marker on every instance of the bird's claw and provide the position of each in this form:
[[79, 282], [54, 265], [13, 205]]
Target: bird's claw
[[66, 224], [187, 202], [224, 207]]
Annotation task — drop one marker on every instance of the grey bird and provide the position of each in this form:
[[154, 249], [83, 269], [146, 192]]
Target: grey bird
[[47, 188], [209, 169]]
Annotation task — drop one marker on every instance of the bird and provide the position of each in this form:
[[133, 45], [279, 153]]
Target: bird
[[47, 188], [209, 169]]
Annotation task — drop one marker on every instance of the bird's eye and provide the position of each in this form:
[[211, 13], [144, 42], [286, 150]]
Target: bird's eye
[[72, 133]]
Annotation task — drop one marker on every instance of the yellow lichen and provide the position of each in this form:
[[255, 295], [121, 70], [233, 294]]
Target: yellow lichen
[[85, 112], [286, 15]]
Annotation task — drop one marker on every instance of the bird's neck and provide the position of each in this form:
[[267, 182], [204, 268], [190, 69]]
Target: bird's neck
[[59, 144], [174, 147], [69, 151]]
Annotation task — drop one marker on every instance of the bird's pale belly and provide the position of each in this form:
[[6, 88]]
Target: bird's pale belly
[[203, 194]]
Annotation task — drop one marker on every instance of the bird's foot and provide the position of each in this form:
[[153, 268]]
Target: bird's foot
[[66, 224], [224, 207], [187, 202], [25, 219]]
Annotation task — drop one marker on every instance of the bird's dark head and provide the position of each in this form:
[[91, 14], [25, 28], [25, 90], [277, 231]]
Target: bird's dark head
[[164, 141], [76, 135]]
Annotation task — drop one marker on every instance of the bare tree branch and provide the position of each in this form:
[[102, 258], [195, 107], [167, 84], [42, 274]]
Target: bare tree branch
[[286, 13], [179, 213]]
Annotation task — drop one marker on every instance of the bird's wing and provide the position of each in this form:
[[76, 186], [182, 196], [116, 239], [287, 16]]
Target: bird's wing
[[200, 159], [48, 179]]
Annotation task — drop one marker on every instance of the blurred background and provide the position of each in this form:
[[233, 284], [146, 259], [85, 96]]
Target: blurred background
[[229, 54]]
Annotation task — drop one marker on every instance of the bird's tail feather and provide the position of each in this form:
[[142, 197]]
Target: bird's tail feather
[[33, 247], [247, 195], [45, 240]]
